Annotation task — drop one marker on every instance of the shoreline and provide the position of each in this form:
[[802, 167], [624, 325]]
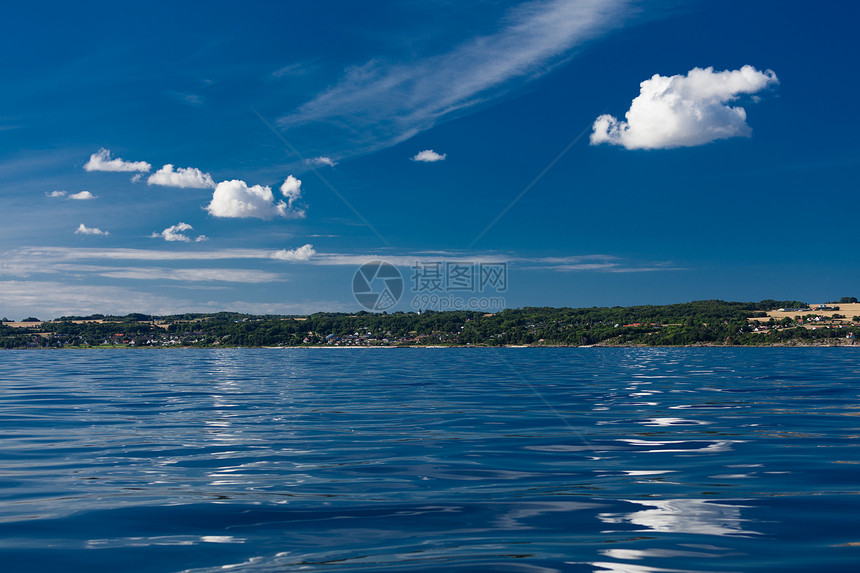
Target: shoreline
[[436, 346], [694, 324]]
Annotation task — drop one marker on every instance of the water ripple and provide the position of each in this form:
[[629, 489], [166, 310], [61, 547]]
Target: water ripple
[[459, 459]]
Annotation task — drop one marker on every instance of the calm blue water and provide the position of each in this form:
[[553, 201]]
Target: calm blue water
[[633, 460]]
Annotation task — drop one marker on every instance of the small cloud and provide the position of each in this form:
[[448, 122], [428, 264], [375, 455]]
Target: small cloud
[[84, 230], [235, 199], [303, 253], [177, 233], [187, 98], [322, 160], [684, 111], [429, 156], [184, 177], [194, 275], [82, 196], [101, 161], [136, 178], [292, 190], [296, 69]]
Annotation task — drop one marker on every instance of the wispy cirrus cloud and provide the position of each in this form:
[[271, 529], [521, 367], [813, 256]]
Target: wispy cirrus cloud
[[381, 103], [49, 255], [291, 70], [187, 98], [113, 264], [52, 299], [145, 273], [573, 263], [33, 260], [101, 161], [189, 275]]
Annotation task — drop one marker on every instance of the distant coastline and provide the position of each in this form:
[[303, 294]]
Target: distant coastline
[[693, 324]]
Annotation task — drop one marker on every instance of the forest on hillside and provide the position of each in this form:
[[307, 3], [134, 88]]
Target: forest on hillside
[[710, 322]]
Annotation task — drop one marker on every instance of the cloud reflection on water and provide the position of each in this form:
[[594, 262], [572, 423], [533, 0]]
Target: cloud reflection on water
[[692, 516]]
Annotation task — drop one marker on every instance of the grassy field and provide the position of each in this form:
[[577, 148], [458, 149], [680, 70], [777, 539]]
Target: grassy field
[[848, 310]]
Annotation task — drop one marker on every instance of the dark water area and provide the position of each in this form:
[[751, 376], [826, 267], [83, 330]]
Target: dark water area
[[531, 460]]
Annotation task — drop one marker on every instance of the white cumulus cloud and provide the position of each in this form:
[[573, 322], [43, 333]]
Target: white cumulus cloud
[[237, 200], [684, 111], [101, 161], [291, 189], [303, 253], [84, 230], [322, 160], [177, 233], [184, 177], [82, 196], [429, 156]]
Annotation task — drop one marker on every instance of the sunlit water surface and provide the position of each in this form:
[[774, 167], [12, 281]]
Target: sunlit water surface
[[633, 460]]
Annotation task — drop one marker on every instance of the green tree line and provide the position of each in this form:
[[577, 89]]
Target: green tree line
[[699, 322]]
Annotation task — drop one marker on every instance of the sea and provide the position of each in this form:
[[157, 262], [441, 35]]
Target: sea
[[632, 460]]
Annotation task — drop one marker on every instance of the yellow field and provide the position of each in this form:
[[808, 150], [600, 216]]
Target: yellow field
[[849, 310], [40, 323], [22, 324]]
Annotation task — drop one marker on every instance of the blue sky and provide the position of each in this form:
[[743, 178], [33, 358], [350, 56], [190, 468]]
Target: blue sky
[[175, 157]]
